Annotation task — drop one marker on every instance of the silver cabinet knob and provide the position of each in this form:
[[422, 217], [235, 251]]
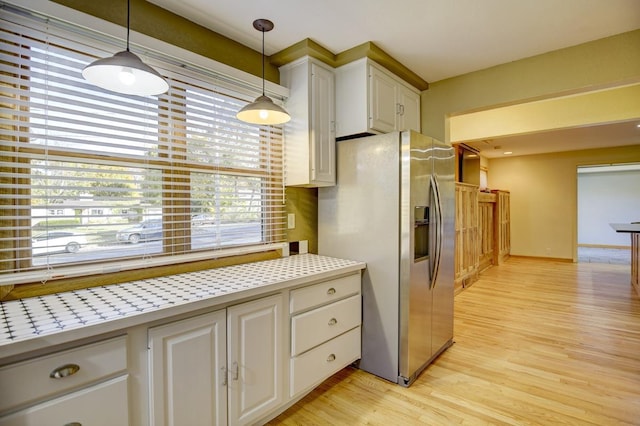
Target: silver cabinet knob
[[331, 291], [331, 358], [333, 321]]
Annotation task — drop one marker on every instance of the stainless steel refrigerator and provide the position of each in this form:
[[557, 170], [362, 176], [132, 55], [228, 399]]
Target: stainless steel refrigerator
[[393, 207]]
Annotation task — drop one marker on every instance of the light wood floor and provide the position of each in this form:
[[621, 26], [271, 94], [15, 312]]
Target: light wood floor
[[537, 342]]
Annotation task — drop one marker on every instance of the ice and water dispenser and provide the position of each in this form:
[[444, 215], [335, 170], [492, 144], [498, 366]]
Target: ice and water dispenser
[[421, 233]]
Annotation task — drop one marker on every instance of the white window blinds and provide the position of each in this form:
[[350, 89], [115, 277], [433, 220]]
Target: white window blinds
[[89, 176]]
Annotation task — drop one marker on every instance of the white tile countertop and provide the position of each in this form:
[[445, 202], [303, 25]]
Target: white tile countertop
[[38, 322]]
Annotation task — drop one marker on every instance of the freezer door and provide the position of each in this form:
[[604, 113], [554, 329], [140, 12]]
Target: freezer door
[[442, 288]]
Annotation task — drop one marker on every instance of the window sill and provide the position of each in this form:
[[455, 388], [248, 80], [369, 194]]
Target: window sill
[[77, 277]]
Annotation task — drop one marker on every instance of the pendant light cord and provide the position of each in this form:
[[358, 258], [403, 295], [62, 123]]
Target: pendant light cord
[[262, 61], [128, 21]]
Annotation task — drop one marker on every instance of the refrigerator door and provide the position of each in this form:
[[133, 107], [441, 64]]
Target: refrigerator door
[[359, 219], [442, 289], [415, 294]]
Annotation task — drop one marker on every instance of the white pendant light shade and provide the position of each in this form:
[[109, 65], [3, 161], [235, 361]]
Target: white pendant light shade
[[125, 73], [263, 111]]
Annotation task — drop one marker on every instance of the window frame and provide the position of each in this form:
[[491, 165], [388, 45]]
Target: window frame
[[177, 212]]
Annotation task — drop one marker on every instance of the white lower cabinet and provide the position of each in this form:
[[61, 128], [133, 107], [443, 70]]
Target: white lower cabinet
[[256, 376], [187, 371], [84, 385], [104, 404], [316, 365], [218, 368], [236, 365], [325, 331]]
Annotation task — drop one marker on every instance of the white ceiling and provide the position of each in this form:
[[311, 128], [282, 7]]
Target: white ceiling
[[573, 139], [437, 39]]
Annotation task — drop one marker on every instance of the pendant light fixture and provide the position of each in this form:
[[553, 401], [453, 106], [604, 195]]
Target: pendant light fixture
[[125, 72], [263, 110]]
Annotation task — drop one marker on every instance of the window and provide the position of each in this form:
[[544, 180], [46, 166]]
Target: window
[[89, 176]]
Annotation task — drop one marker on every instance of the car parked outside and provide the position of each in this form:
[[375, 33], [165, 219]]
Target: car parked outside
[[57, 242], [202, 219], [147, 230]]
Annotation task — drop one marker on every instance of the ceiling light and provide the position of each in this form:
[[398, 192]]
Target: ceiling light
[[263, 110], [508, 152], [125, 72]]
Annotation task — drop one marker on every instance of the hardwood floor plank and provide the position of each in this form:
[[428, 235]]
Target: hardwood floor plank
[[537, 343]]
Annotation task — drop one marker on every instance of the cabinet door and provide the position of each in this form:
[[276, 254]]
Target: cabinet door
[[409, 114], [104, 404], [255, 357], [323, 136], [187, 367], [383, 107]]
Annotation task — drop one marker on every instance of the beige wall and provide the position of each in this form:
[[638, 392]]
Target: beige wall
[[543, 187], [608, 62], [544, 197]]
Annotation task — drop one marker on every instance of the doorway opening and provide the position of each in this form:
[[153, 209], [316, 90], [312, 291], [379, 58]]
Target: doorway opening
[[606, 194]]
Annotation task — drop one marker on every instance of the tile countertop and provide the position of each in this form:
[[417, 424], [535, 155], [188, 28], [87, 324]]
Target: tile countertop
[[35, 323]]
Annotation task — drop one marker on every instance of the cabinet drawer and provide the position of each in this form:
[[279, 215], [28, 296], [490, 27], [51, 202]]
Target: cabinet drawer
[[319, 325], [324, 292], [311, 368], [104, 404], [29, 381]]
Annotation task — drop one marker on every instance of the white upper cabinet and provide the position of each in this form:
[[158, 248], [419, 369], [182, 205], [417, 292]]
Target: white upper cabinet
[[310, 135], [408, 109], [370, 99]]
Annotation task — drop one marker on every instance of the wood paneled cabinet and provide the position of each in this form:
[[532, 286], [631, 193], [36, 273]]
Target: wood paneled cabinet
[[486, 226], [467, 240], [483, 235], [635, 261], [370, 99], [502, 226], [217, 368]]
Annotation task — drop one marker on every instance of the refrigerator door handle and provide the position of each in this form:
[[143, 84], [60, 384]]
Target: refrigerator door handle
[[435, 258]]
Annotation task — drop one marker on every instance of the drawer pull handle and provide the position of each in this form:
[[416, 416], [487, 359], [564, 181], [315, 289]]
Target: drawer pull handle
[[333, 321], [331, 358], [73, 424], [331, 291], [64, 371]]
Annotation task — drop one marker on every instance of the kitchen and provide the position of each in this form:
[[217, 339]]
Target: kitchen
[[555, 174]]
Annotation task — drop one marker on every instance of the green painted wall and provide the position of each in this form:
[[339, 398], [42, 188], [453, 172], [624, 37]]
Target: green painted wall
[[149, 19], [153, 21]]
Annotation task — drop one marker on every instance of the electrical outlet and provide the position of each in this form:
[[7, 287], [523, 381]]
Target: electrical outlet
[[291, 221]]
